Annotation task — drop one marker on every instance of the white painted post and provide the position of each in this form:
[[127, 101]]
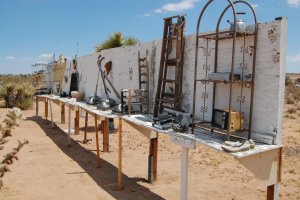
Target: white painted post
[[69, 126], [184, 173]]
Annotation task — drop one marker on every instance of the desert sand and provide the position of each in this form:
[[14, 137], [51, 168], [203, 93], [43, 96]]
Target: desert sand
[[48, 169]]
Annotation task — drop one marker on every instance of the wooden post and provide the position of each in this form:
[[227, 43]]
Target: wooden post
[[36, 106], [85, 126], [51, 114], [153, 153], [104, 129], [77, 123], [273, 190], [69, 126], [120, 180], [184, 173], [62, 113], [46, 109], [97, 139]]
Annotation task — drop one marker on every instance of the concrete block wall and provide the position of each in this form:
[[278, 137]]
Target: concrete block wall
[[269, 79]]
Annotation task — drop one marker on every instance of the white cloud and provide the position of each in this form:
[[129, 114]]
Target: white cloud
[[294, 58], [294, 3], [45, 56], [158, 10], [147, 15], [254, 5], [177, 7], [10, 58]]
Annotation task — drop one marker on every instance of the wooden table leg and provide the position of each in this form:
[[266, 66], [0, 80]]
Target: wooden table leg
[[97, 139], [77, 123], [51, 114], [120, 180], [36, 106], [85, 127], [152, 167], [69, 126], [46, 109], [62, 114], [104, 129]]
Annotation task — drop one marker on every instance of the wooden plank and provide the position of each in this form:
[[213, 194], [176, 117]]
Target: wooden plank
[[62, 114], [104, 129], [153, 153], [51, 113], [120, 180], [46, 110], [143, 130], [85, 127], [270, 192], [77, 123], [97, 139], [36, 106], [265, 165]]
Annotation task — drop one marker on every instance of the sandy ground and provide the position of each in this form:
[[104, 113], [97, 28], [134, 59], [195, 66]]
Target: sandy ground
[[48, 169]]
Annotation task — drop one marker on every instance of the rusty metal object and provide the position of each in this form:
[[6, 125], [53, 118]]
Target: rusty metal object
[[169, 90], [244, 82]]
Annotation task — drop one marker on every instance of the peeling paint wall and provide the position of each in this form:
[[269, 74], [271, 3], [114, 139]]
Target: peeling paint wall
[[269, 79]]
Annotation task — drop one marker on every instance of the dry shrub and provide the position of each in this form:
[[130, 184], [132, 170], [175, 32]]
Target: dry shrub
[[17, 95], [292, 110]]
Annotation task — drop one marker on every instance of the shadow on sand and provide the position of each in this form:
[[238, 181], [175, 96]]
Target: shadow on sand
[[106, 176]]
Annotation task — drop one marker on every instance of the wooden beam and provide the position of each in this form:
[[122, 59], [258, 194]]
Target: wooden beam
[[62, 114], [270, 192], [51, 113], [153, 155], [85, 126], [36, 106], [104, 129], [46, 109], [120, 180], [97, 139], [77, 123]]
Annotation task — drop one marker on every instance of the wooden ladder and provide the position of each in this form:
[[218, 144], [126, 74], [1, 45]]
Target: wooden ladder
[[169, 85], [144, 80]]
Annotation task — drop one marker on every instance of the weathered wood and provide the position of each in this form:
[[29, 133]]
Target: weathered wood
[[104, 127], [97, 139], [153, 153], [51, 113], [36, 106], [120, 180], [62, 114], [46, 109], [77, 123], [85, 127]]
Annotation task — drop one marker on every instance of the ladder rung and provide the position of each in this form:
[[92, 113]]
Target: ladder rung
[[169, 80], [142, 59], [166, 100], [168, 95], [143, 66], [143, 82], [143, 74], [171, 38], [171, 62]]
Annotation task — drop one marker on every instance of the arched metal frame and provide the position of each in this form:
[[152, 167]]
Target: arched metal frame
[[216, 35]]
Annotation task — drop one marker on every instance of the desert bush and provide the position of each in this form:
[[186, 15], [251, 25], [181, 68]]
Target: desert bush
[[116, 40], [291, 110], [288, 80], [17, 95]]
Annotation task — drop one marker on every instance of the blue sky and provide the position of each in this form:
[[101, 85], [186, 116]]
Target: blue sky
[[33, 30]]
